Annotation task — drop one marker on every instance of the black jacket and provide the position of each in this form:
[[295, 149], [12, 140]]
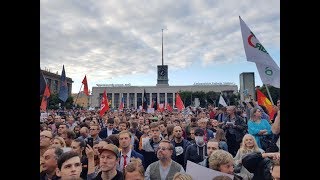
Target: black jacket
[[259, 166]]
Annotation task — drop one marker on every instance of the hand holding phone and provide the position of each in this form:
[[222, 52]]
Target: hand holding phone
[[90, 141]]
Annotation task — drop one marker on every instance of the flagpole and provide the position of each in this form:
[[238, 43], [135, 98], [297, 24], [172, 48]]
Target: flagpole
[[78, 94], [269, 94]]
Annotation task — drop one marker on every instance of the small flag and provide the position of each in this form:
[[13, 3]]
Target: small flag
[[222, 101], [144, 103], [104, 104], [169, 108], [263, 100], [63, 93], [44, 102], [179, 103], [85, 85], [122, 103], [43, 83]]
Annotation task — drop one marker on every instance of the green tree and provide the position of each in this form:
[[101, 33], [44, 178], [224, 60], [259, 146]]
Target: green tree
[[186, 97], [53, 102]]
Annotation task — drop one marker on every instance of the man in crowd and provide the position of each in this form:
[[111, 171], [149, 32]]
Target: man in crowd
[[197, 152], [212, 145], [165, 167], [180, 145], [105, 132], [69, 166], [94, 133], [50, 163], [127, 151], [149, 146], [45, 141], [109, 159], [235, 128], [78, 146]]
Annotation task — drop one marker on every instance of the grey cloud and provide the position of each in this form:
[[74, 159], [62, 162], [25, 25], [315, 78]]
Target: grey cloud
[[116, 38]]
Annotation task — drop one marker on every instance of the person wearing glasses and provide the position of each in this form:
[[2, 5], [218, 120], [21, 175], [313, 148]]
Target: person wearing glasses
[[165, 167], [94, 133], [45, 141]]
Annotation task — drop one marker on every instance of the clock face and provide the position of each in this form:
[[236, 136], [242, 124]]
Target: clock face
[[162, 72]]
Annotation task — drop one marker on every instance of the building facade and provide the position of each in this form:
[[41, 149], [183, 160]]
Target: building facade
[[133, 95], [247, 85], [53, 79]]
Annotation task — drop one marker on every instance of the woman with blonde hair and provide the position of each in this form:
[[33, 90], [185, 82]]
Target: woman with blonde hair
[[58, 142], [182, 176], [248, 145], [134, 170], [221, 160]]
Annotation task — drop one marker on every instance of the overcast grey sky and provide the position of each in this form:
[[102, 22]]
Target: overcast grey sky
[[119, 41]]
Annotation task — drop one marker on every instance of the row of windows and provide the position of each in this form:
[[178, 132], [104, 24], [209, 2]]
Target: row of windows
[[131, 103]]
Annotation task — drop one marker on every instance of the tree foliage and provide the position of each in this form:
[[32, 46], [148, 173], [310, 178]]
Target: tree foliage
[[205, 99], [54, 102]]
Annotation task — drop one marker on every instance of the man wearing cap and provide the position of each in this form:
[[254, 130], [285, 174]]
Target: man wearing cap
[[196, 152], [109, 159]]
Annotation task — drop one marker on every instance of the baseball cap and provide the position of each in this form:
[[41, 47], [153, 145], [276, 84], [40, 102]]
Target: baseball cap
[[199, 132], [110, 147]]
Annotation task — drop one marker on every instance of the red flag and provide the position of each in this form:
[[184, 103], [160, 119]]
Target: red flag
[[45, 97], [85, 84], [169, 108], [179, 103], [122, 103], [104, 104], [263, 100]]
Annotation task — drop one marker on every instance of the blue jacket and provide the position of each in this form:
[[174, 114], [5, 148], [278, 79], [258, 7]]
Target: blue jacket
[[135, 154]]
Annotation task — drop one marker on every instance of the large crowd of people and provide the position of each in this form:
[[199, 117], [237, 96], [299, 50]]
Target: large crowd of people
[[132, 144]]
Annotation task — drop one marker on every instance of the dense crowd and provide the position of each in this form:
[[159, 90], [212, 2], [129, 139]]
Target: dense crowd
[[134, 145]]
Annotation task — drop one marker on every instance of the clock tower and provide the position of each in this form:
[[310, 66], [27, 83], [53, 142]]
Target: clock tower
[[162, 71]]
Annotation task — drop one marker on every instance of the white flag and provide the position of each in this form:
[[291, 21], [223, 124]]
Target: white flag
[[268, 70], [222, 102]]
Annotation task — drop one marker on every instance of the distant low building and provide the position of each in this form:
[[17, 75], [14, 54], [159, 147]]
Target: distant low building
[[53, 79], [81, 99]]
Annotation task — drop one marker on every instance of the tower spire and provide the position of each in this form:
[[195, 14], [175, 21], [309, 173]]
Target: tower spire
[[162, 47]]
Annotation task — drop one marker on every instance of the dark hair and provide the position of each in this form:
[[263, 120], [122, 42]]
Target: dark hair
[[114, 138], [81, 142], [66, 156], [110, 121], [70, 134]]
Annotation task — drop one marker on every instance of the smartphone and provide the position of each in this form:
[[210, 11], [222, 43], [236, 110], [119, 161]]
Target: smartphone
[[90, 141]]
